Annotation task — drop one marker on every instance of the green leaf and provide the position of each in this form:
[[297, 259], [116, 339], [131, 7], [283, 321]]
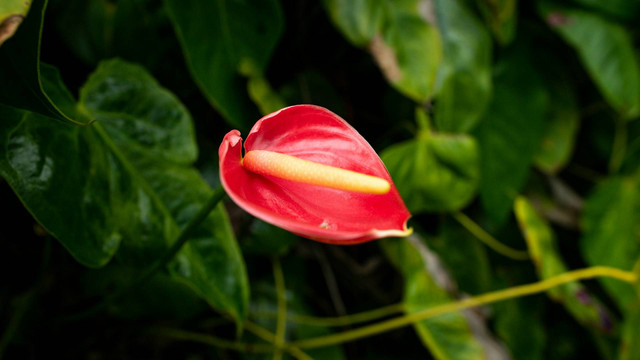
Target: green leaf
[[465, 74], [400, 36], [447, 336], [510, 132], [434, 172], [21, 68], [606, 51], [79, 188], [502, 18], [561, 129], [12, 12], [584, 307], [610, 234], [358, 20], [124, 183], [154, 132], [223, 40]]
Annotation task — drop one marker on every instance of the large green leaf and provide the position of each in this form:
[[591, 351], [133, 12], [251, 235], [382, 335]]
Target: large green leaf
[[223, 40], [401, 37], [12, 12], [21, 72], [465, 74], [435, 171], [447, 336], [510, 132], [610, 228], [584, 307], [124, 183], [154, 132], [607, 52]]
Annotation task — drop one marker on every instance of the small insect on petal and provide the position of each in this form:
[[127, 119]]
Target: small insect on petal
[[288, 167]]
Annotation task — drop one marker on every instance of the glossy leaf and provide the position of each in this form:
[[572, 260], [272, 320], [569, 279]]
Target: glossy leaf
[[606, 51], [502, 18], [436, 171], [12, 13], [447, 336], [510, 132], [223, 41], [401, 37], [610, 235], [465, 74], [89, 212], [584, 307], [154, 132]]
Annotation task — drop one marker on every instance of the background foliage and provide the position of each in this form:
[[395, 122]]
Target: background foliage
[[515, 119]]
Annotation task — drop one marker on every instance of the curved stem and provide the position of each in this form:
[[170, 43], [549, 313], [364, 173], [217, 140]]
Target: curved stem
[[513, 292], [346, 320], [204, 211], [281, 320], [489, 240]]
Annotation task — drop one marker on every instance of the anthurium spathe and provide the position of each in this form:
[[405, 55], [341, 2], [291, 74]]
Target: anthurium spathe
[[308, 171]]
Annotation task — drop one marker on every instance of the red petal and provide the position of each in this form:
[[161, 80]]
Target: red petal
[[329, 215]]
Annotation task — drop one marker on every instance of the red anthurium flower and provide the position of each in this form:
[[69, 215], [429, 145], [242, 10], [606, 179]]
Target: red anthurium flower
[[308, 171]]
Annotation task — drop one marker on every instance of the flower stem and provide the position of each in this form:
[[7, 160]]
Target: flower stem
[[346, 320], [513, 292], [489, 240]]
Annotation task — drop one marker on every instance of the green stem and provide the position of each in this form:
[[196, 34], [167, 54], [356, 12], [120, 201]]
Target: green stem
[[489, 240], [281, 320], [346, 320], [501, 295], [213, 201]]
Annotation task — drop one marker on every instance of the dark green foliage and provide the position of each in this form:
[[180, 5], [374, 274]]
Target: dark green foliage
[[522, 115]]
